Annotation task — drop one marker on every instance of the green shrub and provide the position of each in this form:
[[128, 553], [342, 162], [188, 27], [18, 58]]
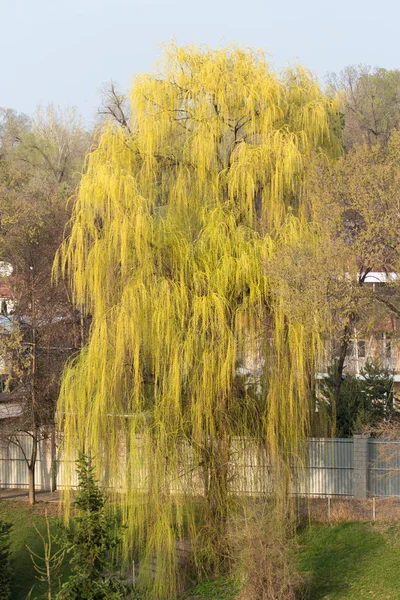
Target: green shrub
[[90, 542]]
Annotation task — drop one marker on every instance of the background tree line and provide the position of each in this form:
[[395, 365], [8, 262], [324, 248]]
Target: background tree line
[[41, 159]]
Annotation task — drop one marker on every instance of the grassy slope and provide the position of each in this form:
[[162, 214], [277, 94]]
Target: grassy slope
[[352, 561], [349, 561], [22, 517]]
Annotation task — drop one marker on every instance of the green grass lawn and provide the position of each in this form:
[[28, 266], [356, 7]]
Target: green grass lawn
[[347, 561], [352, 561]]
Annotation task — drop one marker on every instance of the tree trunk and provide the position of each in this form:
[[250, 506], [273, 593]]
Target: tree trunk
[[35, 425], [53, 476], [32, 491], [339, 371], [344, 346], [217, 485]]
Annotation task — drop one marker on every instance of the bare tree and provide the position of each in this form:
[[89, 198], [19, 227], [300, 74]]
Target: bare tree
[[40, 166], [115, 105], [370, 103], [358, 197]]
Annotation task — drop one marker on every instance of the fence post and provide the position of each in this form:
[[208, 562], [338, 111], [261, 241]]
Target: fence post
[[45, 465], [360, 466]]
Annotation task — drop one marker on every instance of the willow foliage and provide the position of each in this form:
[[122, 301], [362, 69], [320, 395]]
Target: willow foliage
[[175, 249]]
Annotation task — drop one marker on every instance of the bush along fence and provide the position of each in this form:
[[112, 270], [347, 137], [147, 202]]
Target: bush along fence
[[358, 467]]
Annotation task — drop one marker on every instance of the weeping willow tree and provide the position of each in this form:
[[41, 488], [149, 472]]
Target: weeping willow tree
[[180, 236]]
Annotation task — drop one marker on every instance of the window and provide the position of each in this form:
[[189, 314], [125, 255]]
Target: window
[[361, 349], [358, 351], [388, 348]]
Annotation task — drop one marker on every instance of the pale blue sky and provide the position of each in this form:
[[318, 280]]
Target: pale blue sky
[[62, 51]]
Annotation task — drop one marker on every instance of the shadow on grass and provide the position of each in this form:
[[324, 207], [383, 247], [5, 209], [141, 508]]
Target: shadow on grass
[[332, 557], [22, 516]]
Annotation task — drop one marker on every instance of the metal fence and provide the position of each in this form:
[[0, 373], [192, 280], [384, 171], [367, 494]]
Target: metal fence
[[384, 467], [329, 468], [333, 468], [13, 465]]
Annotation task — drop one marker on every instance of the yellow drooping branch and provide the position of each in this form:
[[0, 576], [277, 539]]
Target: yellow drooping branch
[[174, 251]]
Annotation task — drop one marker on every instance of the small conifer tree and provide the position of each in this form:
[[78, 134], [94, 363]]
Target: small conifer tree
[[91, 540]]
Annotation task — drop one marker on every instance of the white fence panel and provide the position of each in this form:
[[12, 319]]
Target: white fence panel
[[13, 466], [328, 470]]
